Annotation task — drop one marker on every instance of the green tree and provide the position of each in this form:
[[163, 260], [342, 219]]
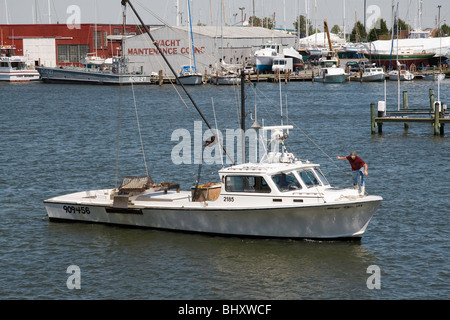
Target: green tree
[[402, 26], [375, 33], [445, 31], [267, 23], [359, 33], [336, 29], [302, 20], [255, 21]]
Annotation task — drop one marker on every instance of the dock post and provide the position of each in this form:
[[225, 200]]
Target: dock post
[[372, 118], [431, 99], [257, 75], [405, 106], [437, 107], [160, 76], [381, 113]]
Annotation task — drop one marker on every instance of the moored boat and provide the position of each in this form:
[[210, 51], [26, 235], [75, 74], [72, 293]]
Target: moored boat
[[15, 68], [331, 75], [373, 74]]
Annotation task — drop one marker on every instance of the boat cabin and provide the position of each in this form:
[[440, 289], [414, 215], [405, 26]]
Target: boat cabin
[[271, 178]]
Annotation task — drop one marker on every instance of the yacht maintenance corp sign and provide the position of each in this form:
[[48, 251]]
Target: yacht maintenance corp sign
[[168, 47]]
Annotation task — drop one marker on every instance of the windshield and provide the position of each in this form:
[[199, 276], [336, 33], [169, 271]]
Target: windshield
[[309, 178], [286, 182]]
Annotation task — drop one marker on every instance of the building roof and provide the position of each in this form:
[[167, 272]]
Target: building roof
[[236, 32]]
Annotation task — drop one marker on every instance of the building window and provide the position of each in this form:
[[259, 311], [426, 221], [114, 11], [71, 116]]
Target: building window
[[97, 39], [72, 53]]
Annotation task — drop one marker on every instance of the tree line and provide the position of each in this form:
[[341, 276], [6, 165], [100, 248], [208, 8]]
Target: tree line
[[358, 33]]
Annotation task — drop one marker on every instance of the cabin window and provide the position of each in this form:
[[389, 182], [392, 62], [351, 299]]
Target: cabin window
[[286, 182], [246, 184], [321, 177], [309, 178]]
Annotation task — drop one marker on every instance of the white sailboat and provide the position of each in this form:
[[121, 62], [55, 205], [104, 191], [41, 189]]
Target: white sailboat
[[189, 74], [279, 196]]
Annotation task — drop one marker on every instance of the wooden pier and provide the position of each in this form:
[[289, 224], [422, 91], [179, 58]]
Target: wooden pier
[[436, 115]]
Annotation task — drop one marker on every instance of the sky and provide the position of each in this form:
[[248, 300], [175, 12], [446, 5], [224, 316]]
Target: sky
[[209, 12]]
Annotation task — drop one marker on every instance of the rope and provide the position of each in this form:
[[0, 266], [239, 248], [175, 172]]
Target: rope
[[139, 129]]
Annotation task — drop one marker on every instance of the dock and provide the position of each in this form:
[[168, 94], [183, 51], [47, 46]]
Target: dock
[[435, 115]]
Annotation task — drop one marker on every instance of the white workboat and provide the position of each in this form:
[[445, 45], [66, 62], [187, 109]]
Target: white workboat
[[373, 74], [15, 68], [278, 196], [332, 75]]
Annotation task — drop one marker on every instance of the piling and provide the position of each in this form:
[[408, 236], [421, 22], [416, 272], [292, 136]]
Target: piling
[[405, 106], [160, 77]]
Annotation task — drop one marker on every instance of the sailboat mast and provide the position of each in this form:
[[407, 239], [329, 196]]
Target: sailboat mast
[[192, 36], [243, 113]]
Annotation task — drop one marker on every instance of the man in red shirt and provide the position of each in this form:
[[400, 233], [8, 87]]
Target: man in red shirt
[[359, 170]]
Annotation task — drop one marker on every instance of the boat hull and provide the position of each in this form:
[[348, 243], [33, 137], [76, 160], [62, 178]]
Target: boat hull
[[224, 80], [19, 75], [192, 79], [339, 78], [337, 220], [434, 76], [82, 75], [264, 63], [388, 60], [373, 77]]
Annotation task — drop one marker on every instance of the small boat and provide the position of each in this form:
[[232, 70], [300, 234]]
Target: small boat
[[433, 76], [189, 76], [405, 75], [15, 68], [372, 74], [332, 75], [225, 79], [278, 196]]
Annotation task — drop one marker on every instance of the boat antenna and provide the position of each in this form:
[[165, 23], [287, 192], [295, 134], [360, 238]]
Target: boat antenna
[[155, 43]]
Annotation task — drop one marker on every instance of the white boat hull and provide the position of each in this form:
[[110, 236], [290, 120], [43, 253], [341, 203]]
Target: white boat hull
[[224, 80], [19, 75], [404, 76], [339, 219], [373, 77], [192, 79], [434, 76], [338, 78]]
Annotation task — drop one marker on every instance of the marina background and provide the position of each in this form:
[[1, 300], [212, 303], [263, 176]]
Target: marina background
[[59, 138], [205, 10]]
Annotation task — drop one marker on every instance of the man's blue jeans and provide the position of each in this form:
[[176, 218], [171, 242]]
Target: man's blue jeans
[[358, 178]]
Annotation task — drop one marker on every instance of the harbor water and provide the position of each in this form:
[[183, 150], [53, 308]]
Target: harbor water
[[58, 139]]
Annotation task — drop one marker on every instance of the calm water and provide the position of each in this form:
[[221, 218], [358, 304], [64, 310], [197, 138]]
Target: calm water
[[57, 139]]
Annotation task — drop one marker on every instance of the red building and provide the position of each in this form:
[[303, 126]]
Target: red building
[[57, 44]]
